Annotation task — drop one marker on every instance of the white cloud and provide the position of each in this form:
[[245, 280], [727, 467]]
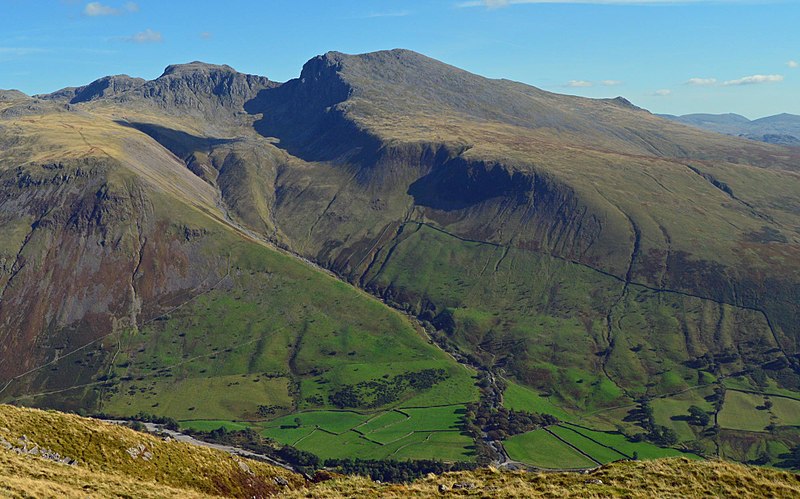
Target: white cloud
[[664, 92], [701, 82], [95, 9], [610, 83], [496, 4], [754, 80], [793, 64], [578, 84], [146, 36]]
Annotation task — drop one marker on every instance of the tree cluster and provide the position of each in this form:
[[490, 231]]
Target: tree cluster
[[655, 433], [698, 416], [791, 459], [487, 420], [251, 440], [378, 392], [144, 417], [500, 423], [395, 471]]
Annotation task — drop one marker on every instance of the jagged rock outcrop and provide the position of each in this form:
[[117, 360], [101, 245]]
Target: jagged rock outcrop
[[108, 86]]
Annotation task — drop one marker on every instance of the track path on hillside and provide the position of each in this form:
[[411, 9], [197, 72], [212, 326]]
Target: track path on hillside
[[182, 437]]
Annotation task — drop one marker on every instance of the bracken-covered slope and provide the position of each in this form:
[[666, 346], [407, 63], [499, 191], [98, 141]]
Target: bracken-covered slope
[[586, 249]]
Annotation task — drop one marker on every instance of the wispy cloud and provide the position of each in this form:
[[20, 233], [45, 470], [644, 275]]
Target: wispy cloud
[[664, 92], [793, 64], [20, 51], [496, 4], [578, 84], [17, 53], [701, 82], [146, 36], [95, 9], [586, 83], [754, 80]]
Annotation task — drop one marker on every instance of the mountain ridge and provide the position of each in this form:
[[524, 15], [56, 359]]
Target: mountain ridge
[[585, 249], [781, 129]]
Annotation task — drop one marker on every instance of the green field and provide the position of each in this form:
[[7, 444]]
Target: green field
[[598, 451], [739, 412], [210, 425], [787, 411], [624, 446], [412, 433], [221, 397], [330, 421], [521, 398], [672, 411], [540, 448], [273, 344]]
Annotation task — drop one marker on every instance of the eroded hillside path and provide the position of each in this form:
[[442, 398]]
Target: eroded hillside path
[[182, 437]]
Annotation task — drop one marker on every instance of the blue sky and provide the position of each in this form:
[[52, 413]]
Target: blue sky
[[667, 56]]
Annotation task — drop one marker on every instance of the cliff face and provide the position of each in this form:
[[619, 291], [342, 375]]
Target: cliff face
[[89, 250]]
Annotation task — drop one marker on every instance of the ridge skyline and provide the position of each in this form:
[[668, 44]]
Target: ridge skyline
[[182, 66]]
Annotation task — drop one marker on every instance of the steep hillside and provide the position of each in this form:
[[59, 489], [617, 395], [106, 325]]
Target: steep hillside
[[588, 248], [127, 288], [50, 454], [652, 209]]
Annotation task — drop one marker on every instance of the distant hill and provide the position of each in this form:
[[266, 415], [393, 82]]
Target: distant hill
[[782, 129]]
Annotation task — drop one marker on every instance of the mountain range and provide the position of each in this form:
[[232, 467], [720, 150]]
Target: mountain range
[[379, 233], [782, 129]]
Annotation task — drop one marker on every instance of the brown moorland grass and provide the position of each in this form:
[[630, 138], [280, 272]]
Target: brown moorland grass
[[28, 476], [101, 451], [673, 477]]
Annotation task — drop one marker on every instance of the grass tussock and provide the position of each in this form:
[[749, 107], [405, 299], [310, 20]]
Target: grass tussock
[[101, 452], [674, 477]]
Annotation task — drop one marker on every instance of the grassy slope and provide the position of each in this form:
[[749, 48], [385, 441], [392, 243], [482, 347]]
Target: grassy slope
[[101, 452], [261, 329], [711, 215], [661, 478]]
